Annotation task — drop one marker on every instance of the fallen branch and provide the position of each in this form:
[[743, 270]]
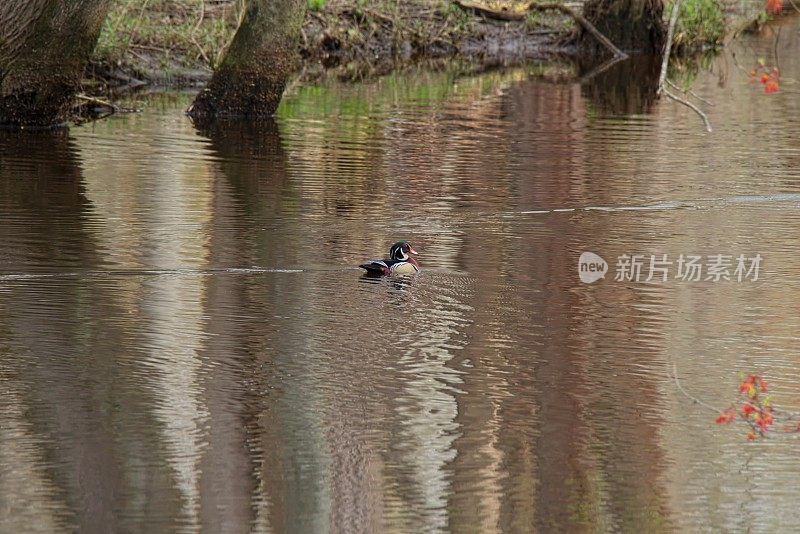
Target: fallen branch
[[689, 395], [99, 102], [689, 92], [692, 107], [109, 107], [662, 79], [508, 16]]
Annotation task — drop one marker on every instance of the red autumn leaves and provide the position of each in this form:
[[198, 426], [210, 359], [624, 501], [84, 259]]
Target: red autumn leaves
[[756, 409], [770, 82], [774, 7], [728, 416], [766, 77]]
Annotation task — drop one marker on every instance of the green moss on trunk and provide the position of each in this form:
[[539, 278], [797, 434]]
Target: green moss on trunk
[[44, 46], [251, 79]]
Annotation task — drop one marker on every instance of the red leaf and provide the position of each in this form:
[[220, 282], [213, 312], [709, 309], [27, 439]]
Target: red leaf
[[774, 7], [769, 88]]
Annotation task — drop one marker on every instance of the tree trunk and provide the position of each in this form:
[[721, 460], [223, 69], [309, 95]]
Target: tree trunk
[[632, 25], [44, 47], [251, 79]]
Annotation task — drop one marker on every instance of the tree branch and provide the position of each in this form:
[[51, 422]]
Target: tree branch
[[689, 92], [692, 107], [689, 395], [508, 16], [673, 20]]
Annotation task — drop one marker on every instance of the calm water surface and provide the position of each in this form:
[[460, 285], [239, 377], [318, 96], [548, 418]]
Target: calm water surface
[[185, 343]]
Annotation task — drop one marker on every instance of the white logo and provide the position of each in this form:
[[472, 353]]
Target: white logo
[[659, 268], [591, 267]]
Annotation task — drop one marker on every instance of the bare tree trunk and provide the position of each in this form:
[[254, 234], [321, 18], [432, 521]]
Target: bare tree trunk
[[632, 25], [44, 47], [251, 79]]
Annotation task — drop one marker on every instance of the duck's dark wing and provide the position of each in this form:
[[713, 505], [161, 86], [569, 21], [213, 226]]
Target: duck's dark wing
[[378, 267]]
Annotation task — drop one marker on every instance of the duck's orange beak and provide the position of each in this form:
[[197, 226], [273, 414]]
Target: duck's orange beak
[[411, 250]]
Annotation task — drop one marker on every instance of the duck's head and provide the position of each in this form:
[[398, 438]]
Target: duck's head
[[400, 251]]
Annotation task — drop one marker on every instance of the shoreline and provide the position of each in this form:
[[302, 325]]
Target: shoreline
[[175, 44]]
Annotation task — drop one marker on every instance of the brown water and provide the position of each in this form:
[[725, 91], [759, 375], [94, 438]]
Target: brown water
[[185, 343]]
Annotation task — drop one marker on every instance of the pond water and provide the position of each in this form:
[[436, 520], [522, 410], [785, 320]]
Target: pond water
[[186, 342]]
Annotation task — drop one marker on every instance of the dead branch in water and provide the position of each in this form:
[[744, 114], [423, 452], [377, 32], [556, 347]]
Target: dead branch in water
[[690, 93], [99, 102], [689, 395], [692, 107], [510, 16], [90, 108], [662, 79]]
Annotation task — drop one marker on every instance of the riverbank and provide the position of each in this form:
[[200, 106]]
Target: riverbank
[[177, 43]]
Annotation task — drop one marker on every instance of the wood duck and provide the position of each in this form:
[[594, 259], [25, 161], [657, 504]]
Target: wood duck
[[399, 262]]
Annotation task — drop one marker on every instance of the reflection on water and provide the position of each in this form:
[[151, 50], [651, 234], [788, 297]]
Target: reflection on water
[[624, 87], [185, 344]]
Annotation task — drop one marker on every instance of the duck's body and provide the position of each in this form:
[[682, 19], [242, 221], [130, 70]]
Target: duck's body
[[400, 262], [389, 267]]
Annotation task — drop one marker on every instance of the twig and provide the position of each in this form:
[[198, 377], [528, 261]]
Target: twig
[[137, 54], [673, 20], [692, 107], [688, 92], [149, 47], [381, 16], [98, 101], [516, 16], [305, 37], [123, 16], [357, 13], [757, 408], [201, 17], [444, 26], [393, 22], [200, 48], [689, 395], [776, 411], [138, 20], [197, 27]]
